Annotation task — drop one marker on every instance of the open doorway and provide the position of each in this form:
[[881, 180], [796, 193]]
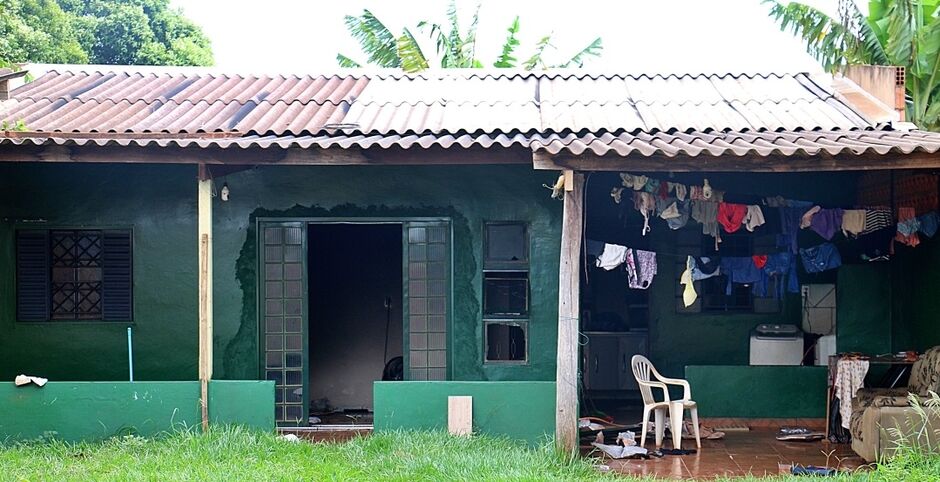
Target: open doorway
[[355, 316]]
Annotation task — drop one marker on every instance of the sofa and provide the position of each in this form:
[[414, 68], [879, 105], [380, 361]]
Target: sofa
[[882, 416]]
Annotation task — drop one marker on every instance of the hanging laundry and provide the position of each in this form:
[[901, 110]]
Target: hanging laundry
[[790, 227], [646, 205], [633, 182], [688, 291], [760, 260], [617, 194], [706, 213], [684, 209], [827, 222], [776, 202], [731, 216], [680, 189], [695, 193], [641, 269], [874, 246], [853, 222], [593, 248], [928, 223], [876, 219], [807, 219], [754, 217], [651, 186], [666, 208], [908, 225], [820, 258], [663, 190], [705, 267], [612, 256], [741, 270], [782, 268]]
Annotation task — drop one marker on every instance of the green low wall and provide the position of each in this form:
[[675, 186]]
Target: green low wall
[[758, 391], [519, 410], [74, 411]]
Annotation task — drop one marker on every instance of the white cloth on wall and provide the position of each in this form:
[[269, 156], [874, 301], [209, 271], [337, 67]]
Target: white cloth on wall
[[754, 217], [850, 376], [612, 256]]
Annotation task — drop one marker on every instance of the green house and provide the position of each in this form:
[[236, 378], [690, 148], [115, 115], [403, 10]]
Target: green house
[[181, 246]]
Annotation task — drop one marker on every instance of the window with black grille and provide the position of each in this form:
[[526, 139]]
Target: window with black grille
[[505, 291], [73, 274]]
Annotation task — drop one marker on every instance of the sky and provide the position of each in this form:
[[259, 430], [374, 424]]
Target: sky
[[293, 36]]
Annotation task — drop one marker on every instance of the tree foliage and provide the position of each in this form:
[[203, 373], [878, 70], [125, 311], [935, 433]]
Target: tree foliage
[[452, 48], [136, 32], [904, 33]]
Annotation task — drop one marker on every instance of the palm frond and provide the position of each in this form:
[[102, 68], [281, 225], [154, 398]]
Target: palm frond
[[506, 59], [412, 58], [454, 41], [825, 37], [593, 49], [902, 29], [346, 62], [375, 39], [469, 47], [536, 59]]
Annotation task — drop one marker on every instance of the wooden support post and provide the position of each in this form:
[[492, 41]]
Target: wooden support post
[[569, 280], [205, 290]]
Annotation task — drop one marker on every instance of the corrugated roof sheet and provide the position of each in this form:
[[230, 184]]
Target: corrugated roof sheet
[[572, 112]]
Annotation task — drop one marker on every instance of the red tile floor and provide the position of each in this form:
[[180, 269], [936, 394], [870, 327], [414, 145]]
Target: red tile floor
[[755, 452]]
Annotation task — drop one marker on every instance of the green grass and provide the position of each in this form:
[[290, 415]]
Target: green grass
[[232, 453]]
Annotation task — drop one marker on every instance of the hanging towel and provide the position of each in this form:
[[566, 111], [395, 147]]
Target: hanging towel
[[928, 223], [612, 256], [853, 222], [850, 376], [820, 258], [651, 186], [754, 217], [731, 216], [688, 291]]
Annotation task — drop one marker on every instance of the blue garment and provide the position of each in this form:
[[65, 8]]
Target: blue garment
[[594, 248], [705, 267], [743, 270], [782, 266], [821, 258], [928, 223], [790, 227], [685, 208]]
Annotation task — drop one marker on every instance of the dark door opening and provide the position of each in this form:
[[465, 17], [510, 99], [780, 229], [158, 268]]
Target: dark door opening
[[355, 313]]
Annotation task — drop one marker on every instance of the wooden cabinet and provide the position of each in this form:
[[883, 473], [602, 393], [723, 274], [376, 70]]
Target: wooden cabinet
[[606, 359]]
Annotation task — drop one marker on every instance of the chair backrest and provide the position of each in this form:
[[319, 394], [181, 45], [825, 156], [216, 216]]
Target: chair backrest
[[925, 374], [642, 371]]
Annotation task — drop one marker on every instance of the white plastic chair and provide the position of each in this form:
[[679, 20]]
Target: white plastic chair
[[648, 378]]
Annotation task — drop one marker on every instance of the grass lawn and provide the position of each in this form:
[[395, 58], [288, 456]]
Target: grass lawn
[[235, 454]]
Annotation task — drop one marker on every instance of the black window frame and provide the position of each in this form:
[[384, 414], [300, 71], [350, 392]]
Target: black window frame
[[506, 271], [36, 274]]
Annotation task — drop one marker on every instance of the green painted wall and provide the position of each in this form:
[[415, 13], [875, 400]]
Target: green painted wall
[[159, 203], [863, 303], [73, 411], [519, 410], [917, 304], [759, 391]]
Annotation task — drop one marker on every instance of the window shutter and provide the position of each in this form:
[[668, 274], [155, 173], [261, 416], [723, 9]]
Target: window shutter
[[32, 275], [117, 276]]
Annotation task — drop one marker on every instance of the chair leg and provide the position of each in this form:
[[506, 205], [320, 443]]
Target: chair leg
[[660, 423], [698, 439], [646, 422], [675, 419]]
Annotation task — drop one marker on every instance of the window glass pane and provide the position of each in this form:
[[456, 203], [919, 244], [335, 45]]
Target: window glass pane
[[505, 342], [506, 242], [505, 294]]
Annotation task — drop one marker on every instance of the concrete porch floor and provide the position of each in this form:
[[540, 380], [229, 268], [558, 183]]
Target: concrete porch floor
[[755, 452]]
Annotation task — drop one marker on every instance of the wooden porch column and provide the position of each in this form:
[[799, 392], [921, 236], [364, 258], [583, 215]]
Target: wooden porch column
[[569, 306], [205, 290]]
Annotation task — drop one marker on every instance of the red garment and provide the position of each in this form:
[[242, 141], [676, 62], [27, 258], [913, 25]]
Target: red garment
[[906, 214], [731, 216], [664, 189], [760, 260]]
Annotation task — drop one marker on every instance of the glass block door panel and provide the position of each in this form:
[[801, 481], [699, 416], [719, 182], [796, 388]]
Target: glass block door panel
[[428, 299], [284, 318]]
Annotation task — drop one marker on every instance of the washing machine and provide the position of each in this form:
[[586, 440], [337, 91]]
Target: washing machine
[[776, 345]]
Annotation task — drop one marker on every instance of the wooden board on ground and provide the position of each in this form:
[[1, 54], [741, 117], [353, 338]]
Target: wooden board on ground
[[460, 415]]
